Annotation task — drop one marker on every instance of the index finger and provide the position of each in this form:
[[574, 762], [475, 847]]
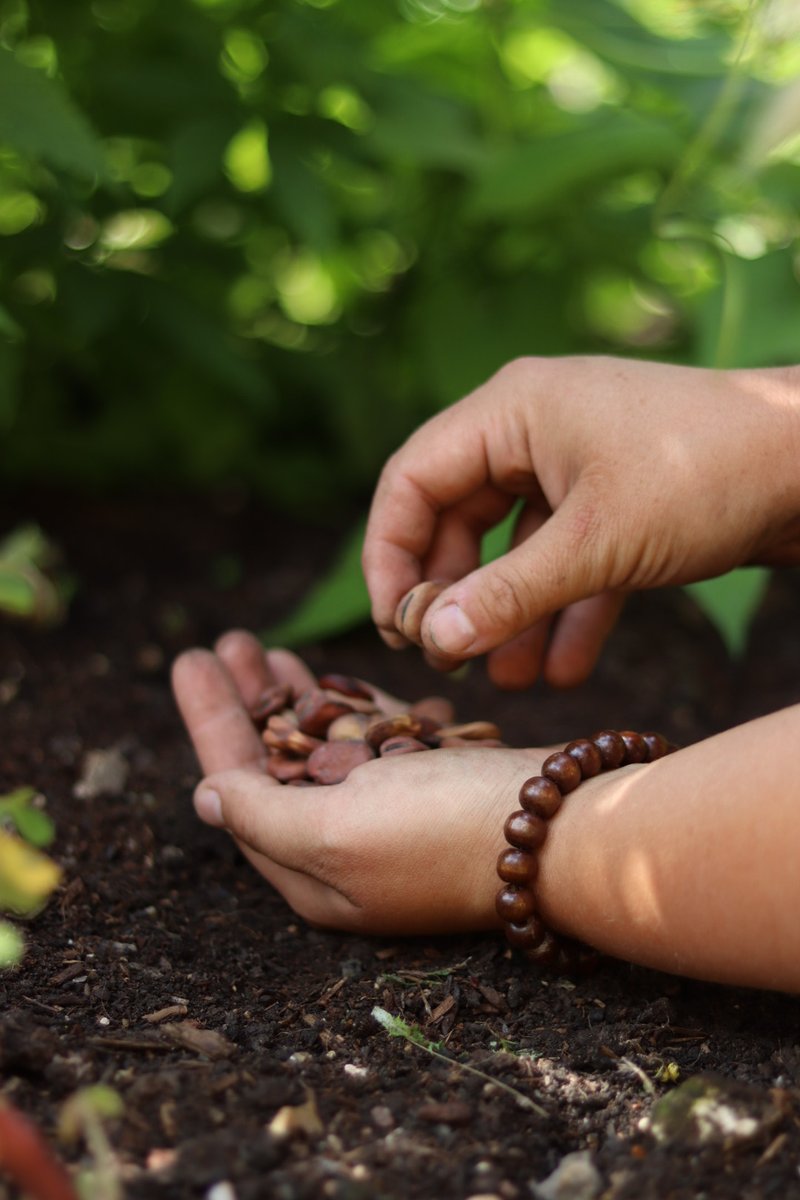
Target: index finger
[[440, 465], [211, 705]]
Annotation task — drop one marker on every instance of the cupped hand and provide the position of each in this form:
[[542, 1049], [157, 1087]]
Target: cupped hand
[[632, 475], [403, 845]]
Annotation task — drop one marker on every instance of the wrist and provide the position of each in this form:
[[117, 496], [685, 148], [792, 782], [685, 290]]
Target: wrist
[[775, 457]]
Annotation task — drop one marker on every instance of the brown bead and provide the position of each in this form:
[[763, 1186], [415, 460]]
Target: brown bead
[[611, 747], [563, 770], [517, 866], [333, 761], [587, 756], [545, 952], [656, 746], [346, 685], [526, 934], [514, 904], [525, 830], [635, 748], [540, 796]]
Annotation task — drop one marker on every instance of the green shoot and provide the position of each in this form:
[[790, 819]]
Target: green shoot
[[397, 1027]]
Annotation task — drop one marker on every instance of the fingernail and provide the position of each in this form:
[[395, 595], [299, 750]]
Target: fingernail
[[451, 630], [208, 806]]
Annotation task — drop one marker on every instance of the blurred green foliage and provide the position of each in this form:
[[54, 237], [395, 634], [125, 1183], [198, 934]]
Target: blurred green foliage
[[262, 242]]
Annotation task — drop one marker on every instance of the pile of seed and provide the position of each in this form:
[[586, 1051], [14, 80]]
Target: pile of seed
[[319, 736]]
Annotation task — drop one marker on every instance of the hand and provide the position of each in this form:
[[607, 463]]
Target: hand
[[403, 845], [633, 475]]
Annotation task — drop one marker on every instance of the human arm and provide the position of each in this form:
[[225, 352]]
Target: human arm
[[687, 864], [632, 474]]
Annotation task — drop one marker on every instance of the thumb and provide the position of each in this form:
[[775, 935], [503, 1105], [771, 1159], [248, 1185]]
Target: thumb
[[563, 561]]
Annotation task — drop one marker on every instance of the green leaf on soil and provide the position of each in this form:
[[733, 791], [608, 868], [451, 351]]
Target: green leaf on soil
[[11, 945]]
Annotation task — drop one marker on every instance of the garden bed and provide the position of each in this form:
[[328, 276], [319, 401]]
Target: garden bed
[[157, 912]]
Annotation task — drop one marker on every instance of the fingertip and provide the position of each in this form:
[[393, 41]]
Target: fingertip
[[208, 805], [393, 639]]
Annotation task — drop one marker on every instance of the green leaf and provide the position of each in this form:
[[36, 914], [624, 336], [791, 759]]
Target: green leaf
[[539, 176], [11, 945], [38, 118], [17, 593], [340, 602], [730, 601], [35, 826]]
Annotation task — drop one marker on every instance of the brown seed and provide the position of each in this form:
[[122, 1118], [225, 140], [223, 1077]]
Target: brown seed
[[346, 685], [284, 769], [471, 730], [316, 711], [412, 608], [356, 703], [403, 724], [350, 727], [469, 743], [293, 741], [271, 700], [283, 722], [395, 746], [333, 761], [437, 708], [300, 783]]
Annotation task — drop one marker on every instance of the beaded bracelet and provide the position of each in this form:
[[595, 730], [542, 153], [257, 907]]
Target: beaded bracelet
[[540, 799]]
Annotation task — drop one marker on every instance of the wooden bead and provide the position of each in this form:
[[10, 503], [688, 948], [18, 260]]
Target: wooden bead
[[514, 904], [525, 830], [611, 747], [587, 756], [526, 934], [563, 770], [540, 796], [656, 745], [517, 866], [545, 952], [635, 748]]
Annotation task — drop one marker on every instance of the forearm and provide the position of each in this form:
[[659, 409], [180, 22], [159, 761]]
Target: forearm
[[689, 864]]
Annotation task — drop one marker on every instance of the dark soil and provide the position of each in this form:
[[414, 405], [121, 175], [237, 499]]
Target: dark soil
[[156, 912]]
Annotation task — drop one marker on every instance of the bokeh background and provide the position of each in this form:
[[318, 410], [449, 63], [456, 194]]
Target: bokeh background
[[258, 243]]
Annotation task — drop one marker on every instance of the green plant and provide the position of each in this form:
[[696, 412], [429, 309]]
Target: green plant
[[28, 588], [397, 1027], [27, 877]]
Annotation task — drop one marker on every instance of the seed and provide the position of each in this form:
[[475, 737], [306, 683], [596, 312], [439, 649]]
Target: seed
[[332, 762], [471, 731], [346, 685], [437, 708], [403, 723], [413, 606], [350, 727], [393, 747], [271, 700], [285, 769], [316, 711]]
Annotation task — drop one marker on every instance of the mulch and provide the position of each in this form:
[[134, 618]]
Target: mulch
[[242, 1042]]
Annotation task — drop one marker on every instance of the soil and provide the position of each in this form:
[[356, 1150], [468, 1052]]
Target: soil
[[158, 912]]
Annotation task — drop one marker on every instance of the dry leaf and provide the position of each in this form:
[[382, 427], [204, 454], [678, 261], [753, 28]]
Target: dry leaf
[[200, 1041]]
